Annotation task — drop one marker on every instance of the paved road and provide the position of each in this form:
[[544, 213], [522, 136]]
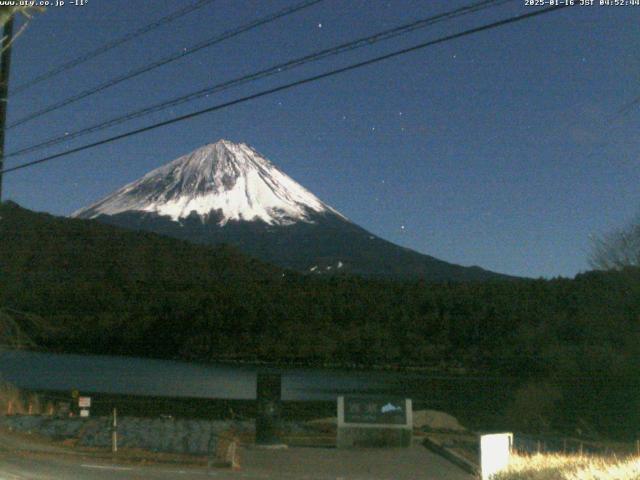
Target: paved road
[[21, 459], [38, 467], [292, 464]]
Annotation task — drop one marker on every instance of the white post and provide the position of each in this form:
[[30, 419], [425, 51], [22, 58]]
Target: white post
[[495, 450], [114, 432]]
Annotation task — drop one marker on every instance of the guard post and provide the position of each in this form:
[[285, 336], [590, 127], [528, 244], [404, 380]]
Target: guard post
[[495, 452]]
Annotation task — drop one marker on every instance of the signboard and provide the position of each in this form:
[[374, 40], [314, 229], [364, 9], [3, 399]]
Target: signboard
[[495, 450], [374, 422], [84, 402], [377, 411], [84, 412]]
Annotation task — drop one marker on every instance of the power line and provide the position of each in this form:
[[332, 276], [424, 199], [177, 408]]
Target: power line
[[112, 44], [276, 69], [166, 60], [625, 109], [287, 86]]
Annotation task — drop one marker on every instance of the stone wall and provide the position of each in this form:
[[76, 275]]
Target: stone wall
[[196, 437]]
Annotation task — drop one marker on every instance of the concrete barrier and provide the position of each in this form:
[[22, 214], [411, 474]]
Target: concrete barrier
[[195, 437], [450, 455]]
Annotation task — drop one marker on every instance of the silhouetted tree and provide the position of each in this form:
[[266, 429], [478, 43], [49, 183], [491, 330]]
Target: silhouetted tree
[[618, 249]]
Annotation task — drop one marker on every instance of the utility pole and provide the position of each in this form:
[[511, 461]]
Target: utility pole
[[5, 59], [114, 431]]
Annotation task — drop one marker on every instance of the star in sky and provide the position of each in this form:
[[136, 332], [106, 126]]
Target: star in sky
[[451, 114]]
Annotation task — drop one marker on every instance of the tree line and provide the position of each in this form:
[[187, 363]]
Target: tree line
[[107, 290]]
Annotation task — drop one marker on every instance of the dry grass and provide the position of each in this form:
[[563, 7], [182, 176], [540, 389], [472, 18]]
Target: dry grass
[[570, 467], [15, 402], [11, 401]]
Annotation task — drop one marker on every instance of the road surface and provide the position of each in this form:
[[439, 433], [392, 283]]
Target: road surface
[[18, 461]]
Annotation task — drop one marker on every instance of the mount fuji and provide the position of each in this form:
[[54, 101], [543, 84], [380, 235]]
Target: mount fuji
[[227, 192]]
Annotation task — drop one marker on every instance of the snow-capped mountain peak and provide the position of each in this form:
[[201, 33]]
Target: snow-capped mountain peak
[[231, 180]]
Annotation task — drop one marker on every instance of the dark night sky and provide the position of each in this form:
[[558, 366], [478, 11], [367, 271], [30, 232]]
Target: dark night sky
[[498, 149]]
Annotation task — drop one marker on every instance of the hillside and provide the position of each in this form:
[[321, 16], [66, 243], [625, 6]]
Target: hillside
[[18, 331], [110, 290]]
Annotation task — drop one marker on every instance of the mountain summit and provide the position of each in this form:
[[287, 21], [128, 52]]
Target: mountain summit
[[231, 180], [227, 192]]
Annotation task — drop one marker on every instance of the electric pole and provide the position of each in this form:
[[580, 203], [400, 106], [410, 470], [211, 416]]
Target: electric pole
[[5, 59]]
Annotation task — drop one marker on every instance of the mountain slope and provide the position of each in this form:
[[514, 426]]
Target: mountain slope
[[230, 181], [113, 291], [229, 193]]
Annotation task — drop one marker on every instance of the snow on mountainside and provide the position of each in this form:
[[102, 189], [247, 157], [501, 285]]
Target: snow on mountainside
[[231, 180], [227, 193]]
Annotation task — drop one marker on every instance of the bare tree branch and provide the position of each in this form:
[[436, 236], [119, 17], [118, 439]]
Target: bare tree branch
[[618, 249]]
